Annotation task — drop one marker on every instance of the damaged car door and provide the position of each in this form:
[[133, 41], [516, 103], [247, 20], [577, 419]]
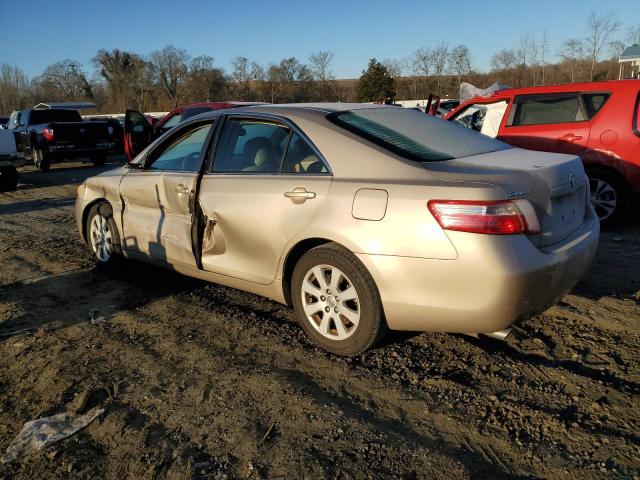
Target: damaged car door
[[266, 184], [159, 196]]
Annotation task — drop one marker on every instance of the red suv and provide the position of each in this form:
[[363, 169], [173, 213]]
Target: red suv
[[139, 132], [599, 121]]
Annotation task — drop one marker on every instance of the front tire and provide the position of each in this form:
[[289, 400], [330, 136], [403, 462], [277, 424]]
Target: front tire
[[102, 235], [336, 301], [610, 196]]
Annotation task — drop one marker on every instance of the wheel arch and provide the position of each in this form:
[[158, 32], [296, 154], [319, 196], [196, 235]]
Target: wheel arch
[[293, 255], [85, 214]]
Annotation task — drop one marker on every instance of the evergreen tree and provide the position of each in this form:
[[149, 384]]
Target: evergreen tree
[[376, 84]]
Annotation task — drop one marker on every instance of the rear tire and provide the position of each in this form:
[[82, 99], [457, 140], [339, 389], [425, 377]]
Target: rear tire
[[344, 326], [102, 235], [8, 179], [610, 196], [40, 160]]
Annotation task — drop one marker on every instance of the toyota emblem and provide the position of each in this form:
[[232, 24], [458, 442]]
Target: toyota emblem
[[572, 180]]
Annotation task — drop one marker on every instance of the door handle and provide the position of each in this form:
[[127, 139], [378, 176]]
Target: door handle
[[182, 190], [570, 137], [299, 195]]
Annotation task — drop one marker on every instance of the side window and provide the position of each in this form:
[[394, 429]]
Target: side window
[[250, 146], [183, 153], [171, 122], [544, 109], [13, 120], [472, 116], [593, 102], [301, 158], [484, 118]]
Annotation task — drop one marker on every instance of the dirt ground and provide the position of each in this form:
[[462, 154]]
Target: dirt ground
[[202, 381]]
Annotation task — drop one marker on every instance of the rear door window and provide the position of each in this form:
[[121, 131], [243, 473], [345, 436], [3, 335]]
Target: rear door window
[[250, 146], [546, 109], [301, 158], [593, 102]]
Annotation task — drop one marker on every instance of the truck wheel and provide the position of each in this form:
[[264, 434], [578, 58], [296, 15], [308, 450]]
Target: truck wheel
[[40, 160], [99, 159], [610, 196], [8, 179], [336, 300], [102, 235]]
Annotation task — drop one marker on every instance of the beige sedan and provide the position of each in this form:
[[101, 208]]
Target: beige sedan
[[364, 218]]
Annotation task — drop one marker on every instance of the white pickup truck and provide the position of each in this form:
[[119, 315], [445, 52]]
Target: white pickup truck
[[10, 160]]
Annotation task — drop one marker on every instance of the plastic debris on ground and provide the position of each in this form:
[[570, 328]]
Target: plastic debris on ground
[[45, 431]]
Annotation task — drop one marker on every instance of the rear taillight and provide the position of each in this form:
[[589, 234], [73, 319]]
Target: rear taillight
[[47, 133], [502, 217]]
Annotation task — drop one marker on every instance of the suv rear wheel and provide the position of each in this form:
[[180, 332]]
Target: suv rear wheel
[[336, 300], [40, 160], [610, 196]]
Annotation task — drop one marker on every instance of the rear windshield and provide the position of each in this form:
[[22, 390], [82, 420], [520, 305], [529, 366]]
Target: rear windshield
[[46, 116], [414, 135]]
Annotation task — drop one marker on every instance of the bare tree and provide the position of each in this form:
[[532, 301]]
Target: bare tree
[[171, 67], [633, 35], [534, 55], [504, 60], [120, 70], [14, 89], [241, 76], [66, 81], [616, 48], [544, 51], [320, 67], [459, 61], [572, 53], [440, 55], [599, 29], [206, 82], [423, 61], [523, 50]]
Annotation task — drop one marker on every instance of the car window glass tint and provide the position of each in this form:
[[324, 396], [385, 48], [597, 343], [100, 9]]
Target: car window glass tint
[[411, 134], [193, 111], [250, 146], [172, 122], [301, 158], [183, 154], [594, 102], [548, 109]]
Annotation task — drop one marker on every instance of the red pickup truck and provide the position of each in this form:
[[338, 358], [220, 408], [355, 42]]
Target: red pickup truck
[[599, 121]]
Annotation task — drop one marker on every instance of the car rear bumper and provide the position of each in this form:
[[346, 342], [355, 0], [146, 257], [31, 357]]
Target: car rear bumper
[[72, 150], [495, 281]]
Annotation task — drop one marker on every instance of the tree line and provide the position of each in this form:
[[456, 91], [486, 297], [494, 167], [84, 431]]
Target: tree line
[[170, 77]]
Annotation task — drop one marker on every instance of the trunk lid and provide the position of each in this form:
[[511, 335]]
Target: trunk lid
[[555, 184]]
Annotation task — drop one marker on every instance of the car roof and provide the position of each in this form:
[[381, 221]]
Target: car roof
[[320, 109], [566, 87]]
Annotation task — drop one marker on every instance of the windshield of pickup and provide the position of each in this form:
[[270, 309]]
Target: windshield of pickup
[[53, 115], [412, 134]]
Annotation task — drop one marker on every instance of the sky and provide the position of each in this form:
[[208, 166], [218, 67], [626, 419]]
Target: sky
[[38, 33]]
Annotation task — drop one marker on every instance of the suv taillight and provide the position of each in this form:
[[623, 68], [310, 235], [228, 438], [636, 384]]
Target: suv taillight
[[502, 217], [47, 133]]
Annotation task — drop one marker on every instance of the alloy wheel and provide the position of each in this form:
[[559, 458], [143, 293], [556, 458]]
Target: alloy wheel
[[101, 238], [330, 302], [603, 198]]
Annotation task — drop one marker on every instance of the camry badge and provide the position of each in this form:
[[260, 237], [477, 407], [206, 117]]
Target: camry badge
[[520, 193], [572, 180]]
